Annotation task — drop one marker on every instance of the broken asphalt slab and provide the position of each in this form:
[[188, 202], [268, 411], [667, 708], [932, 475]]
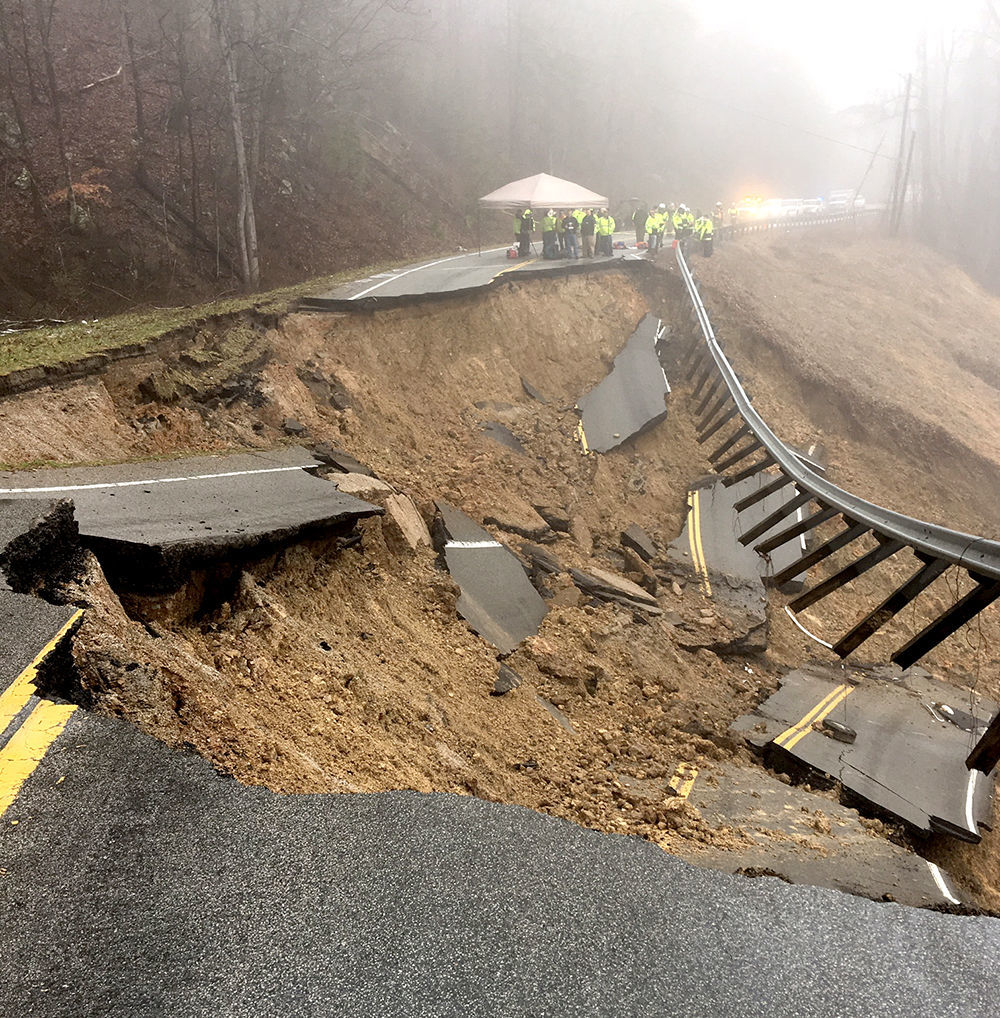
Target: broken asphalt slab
[[729, 573], [497, 600], [807, 839], [39, 541], [27, 626], [501, 434], [151, 523], [904, 761], [631, 398]]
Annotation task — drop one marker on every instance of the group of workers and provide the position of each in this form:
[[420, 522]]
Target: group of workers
[[565, 233], [652, 225]]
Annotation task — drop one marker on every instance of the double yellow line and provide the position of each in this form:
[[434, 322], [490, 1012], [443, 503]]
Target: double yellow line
[[683, 780], [694, 538], [582, 438], [790, 737], [30, 742]]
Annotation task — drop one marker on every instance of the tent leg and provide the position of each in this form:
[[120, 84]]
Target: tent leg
[[479, 230]]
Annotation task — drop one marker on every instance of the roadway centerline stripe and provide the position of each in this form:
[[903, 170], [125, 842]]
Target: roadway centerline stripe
[[511, 268], [472, 544], [700, 562], [156, 480], [806, 719], [815, 716], [582, 436], [17, 694], [683, 780], [28, 745]]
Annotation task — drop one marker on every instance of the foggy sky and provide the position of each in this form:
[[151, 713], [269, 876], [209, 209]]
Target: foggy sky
[[854, 50]]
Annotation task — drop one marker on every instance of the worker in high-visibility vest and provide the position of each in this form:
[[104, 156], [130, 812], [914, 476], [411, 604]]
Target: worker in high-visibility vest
[[704, 230], [605, 231], [654, 229], [683, 225], [549, 235]]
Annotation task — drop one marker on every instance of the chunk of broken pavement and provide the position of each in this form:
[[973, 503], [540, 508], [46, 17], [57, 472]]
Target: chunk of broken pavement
[[634, 537], [292, 426], [517, 517], [403, 524], [506, 680], [361, 485], [340, 460]]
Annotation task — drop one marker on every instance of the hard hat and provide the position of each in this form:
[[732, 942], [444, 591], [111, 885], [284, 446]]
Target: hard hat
[[551, 212], [683, 207], [661, 206]]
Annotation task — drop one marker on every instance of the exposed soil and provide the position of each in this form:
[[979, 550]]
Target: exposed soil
[[336, 669]]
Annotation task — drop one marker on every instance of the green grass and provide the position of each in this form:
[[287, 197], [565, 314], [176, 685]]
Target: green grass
[[56, 344]]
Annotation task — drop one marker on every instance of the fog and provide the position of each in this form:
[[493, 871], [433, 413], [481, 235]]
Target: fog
[[647, 98], [660, 100]]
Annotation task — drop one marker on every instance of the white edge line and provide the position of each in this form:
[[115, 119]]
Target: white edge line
[[789, 613], [417, 268], [942, 883], [154, 480], [969, 795], [473, 544]]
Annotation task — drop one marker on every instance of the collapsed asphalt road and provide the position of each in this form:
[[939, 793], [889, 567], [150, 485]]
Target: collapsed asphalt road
[[136, 880]]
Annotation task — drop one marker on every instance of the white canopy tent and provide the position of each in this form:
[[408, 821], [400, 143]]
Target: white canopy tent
[[542, 191]]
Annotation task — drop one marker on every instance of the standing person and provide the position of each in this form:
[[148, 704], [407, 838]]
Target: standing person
[[654, 228], [561, 233], [517, 230], [683, 226], [588, 227], [524, 240], [703, 230], [549, 235], [605, 231], [570, 228], [639, 220]]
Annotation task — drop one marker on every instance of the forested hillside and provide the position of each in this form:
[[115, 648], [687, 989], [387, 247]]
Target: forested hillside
[[171, 150]]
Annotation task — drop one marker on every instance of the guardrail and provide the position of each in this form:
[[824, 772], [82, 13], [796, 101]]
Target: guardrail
[[797, 222], [725, 408]]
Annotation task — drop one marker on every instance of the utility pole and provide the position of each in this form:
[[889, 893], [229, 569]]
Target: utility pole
[[897, 197]]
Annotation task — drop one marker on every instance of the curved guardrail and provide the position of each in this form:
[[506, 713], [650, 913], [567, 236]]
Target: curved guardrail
[[724, 404], [797, 222]]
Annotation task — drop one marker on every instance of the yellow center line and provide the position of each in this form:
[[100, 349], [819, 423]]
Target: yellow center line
[[582, 436], [17, 694], [683, 780], [511, 268], [697, 549], [790, 736], [837, 700], [27, 746]]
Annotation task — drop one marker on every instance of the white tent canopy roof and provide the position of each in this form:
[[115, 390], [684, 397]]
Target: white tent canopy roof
[[542, 191]]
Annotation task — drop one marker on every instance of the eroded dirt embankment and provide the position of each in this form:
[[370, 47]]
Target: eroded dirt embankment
[[338, 668], [334, 669]]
